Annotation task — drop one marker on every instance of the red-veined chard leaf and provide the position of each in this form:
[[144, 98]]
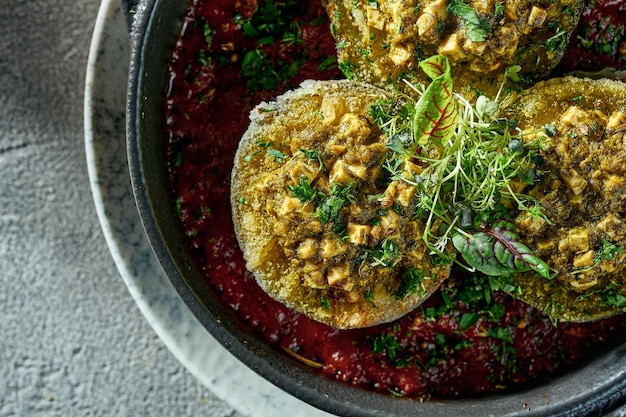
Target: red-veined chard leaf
[[436, 114], [495, 249]]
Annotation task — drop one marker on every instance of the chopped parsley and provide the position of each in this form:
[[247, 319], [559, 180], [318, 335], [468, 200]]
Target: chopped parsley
[[271, 22], [385, 255], [410, 283], [277, 155], [305, 192], [348, 68], [477, 29], [208, 33], [313, 155], [607, 251], [263, 73], [468, 320], [328, 210], [558, 42]]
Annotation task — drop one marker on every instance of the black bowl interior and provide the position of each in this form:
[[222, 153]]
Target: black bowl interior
[[591, 390]]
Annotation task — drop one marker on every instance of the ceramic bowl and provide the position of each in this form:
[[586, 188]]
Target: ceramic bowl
[[589, 390]]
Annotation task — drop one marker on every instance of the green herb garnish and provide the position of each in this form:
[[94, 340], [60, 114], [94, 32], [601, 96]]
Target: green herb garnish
[[305, 192], [208, 32], [313, 155], [348, 69], [607, 251], [277, 155], [499, 10], [328, 210], [468, 157], [410, 283], [468, 320], [477, 29], [558, 42], [271, 22], [385, 255]]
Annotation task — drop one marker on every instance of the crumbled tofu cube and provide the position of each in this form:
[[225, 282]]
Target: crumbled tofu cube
[[375, 19], [475, 48], [302, 169], [400, 55], [331, 110], [396, 8], [614, 183], [339, 173], [307, 249], [392, 189], [572, 115], [411, 170], [544, 246], [358, 233], [315, 226], [308, 208], [337, 273], [413, 230], [584, 259], [517, 186], [290, 204], [510, 11], [358, 170], [315, 279], [573, 180], [406, 194], [338, 149], [376, 233], [332, 247], [427, 26], [617, 121], [451, 47], [612, 226], [577, 240], [576, 201], [375, 157], [351, 125], [529, 224], [536, 18]]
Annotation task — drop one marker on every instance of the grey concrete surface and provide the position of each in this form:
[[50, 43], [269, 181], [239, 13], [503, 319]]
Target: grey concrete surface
[[72, 341]]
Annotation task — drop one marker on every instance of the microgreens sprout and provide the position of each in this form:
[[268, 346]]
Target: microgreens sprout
[[468, 159]]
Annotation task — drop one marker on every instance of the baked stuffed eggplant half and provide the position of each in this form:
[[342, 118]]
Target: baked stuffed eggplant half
[[582, 192], [383, 42], [322, 226]]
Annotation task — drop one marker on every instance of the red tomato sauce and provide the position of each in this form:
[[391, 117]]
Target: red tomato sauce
[[600, 38], [465, 340]]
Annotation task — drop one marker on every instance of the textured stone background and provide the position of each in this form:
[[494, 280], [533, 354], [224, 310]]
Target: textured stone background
[[72, 341]]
